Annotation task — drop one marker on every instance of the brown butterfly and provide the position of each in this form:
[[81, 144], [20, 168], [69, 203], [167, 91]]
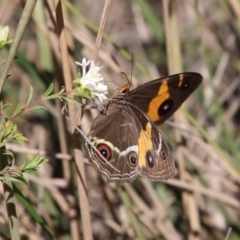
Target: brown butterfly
[[125, 133]]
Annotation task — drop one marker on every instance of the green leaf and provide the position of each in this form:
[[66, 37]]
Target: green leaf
[[2, 44], [83, 95], [6, 105], [12, 174], [5, 169], [1, 136], [48, 91], [2, 144], [19, 136], [18, 109], [36, 107], [62, 90], [55, 96], [14, 178], [68, 99], [30, 94], [32, 165], [6, 152], [20, 178], [3, 62], [26, 204]]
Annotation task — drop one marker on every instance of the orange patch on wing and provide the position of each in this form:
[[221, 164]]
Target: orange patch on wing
[[181, 77], [163, 94], [144, 144]]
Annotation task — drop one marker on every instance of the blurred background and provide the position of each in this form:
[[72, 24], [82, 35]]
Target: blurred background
[[202, 201]]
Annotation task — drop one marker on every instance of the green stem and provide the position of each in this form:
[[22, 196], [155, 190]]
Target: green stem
[[26, 14]]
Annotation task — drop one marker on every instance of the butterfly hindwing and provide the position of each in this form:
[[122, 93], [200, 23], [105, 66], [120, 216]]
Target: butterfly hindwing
[[115, 134], [154, 157], [132, 143]]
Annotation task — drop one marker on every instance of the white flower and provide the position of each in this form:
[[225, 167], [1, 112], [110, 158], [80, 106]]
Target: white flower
[[92, 79], [4, 31]]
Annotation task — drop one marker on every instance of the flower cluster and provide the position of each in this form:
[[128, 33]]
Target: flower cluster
[[92, 80]]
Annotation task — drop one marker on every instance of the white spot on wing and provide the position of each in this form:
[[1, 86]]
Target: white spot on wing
[[126, 125], [160, 144], [129, 149]]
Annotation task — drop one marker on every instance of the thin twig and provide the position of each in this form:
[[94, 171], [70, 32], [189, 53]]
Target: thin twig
[[205, 191], [81, 180], [228, 233], [101, 29]]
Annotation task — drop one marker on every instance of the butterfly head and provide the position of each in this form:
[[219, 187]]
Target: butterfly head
[[124, 89]]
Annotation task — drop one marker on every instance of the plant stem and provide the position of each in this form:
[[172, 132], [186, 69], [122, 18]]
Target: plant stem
[[7, 185]]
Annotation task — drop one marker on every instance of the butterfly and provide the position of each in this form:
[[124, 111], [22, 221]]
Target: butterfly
[[124, 138]]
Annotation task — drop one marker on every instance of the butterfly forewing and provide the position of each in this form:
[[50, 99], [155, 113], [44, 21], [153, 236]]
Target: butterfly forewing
[[160, 98]]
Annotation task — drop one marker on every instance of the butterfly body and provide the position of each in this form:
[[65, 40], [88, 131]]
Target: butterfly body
[[125, 134]]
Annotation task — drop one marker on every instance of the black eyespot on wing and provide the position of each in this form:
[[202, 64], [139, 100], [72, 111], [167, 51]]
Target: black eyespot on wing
[[105, 151], [150, 159], [132, 159], [165, 107]]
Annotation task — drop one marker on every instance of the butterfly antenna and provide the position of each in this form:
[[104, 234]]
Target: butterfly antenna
[[131, 69], [123, 73], [129, 80]]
